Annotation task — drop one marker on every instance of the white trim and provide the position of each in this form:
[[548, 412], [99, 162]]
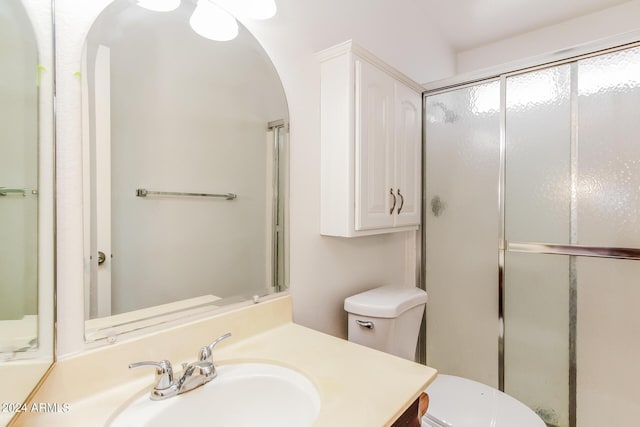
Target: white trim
[[102, 170], [351, 46], [86, 187], [536, 61]]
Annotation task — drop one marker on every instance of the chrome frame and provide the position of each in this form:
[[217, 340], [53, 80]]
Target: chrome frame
[[566, 56], [573, 239], [54, 185], [421, 248], [278, 283], [575, 250], [501, 237]]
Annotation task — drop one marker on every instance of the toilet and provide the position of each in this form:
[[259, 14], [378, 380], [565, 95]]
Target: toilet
[[388, 319]]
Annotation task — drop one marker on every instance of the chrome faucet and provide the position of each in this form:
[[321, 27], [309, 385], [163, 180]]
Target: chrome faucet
[[193, 374]]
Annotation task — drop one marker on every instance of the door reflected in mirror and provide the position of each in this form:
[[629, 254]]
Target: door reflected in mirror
[[185, 153], [26, 197]]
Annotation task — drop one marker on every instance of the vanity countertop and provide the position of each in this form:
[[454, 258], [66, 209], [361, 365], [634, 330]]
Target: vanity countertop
[[358, 386]]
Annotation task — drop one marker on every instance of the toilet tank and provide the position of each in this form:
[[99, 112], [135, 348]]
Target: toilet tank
[[387, 319]]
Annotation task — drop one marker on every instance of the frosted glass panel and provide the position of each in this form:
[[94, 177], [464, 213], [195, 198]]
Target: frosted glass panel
[[538, 156], [462, 229], [537, 333], [607, 345], [609, 152]]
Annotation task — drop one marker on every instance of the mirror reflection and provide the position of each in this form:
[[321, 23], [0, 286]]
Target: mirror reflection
[[185, 152], [18, 178], [26, 197]]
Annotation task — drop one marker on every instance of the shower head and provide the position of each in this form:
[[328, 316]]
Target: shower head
[[449, 115]]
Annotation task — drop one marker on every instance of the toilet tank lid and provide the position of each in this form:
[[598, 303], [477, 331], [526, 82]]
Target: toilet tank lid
[[387, 301]]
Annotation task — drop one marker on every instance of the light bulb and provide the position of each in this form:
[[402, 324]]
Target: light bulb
[[159, 5], [252, 9], [212, 22]]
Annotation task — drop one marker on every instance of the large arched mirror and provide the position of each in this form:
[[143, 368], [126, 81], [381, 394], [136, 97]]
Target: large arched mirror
[[185, 153], [26, 198]]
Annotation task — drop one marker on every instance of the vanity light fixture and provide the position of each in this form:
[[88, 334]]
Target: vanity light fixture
[[159, 5], [214, 19], [212, 22]]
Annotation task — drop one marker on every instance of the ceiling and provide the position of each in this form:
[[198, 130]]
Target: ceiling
[[466, 24]]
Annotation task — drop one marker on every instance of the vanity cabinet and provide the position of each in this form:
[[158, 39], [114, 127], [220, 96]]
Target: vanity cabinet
[[371, 124], [412, 416]]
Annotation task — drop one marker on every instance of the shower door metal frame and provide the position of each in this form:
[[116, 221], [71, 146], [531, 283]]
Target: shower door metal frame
[[279, 234], [568, 56]]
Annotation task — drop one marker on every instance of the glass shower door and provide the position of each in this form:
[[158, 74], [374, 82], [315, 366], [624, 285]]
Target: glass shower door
[[538, 206], [462, 162], [536, 175], [572, 229], [608, 216]]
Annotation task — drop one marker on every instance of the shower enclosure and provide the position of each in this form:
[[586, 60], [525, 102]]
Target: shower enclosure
[[532, 236]]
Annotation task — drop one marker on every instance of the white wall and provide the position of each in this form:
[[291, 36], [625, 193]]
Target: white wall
[[610, 22], [323, 270]]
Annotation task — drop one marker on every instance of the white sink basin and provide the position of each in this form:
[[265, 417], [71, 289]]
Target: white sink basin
[[242, 395]]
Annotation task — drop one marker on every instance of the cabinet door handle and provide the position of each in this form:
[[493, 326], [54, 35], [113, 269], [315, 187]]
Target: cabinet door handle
[[401, 201], [394, 201]]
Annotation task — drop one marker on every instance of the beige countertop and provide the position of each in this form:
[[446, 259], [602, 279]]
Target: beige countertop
[[358, 386]]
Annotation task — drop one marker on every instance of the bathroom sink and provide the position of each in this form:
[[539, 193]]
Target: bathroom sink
[[244, 394]]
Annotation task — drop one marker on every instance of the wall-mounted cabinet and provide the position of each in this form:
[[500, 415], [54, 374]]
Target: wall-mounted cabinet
[[371, 125]]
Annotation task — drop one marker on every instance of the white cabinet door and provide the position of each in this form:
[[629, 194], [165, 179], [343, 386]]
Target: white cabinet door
[[374, 173], [408, 152]]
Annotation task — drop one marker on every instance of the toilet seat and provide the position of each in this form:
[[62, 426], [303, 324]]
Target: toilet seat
[[460, 402]]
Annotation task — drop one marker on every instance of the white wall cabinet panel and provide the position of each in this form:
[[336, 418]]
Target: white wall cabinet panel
[[408, 150], [374, 157], [371, 126]]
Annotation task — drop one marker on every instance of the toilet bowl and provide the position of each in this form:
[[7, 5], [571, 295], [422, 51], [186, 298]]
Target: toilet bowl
[[388, 319], [460, 402]]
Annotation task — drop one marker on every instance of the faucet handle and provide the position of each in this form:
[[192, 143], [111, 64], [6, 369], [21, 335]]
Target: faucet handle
[[164, 373], [205, 352]]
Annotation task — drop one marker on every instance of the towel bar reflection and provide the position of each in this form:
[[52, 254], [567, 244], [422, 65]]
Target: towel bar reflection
[[143, 192], [15, 191]]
